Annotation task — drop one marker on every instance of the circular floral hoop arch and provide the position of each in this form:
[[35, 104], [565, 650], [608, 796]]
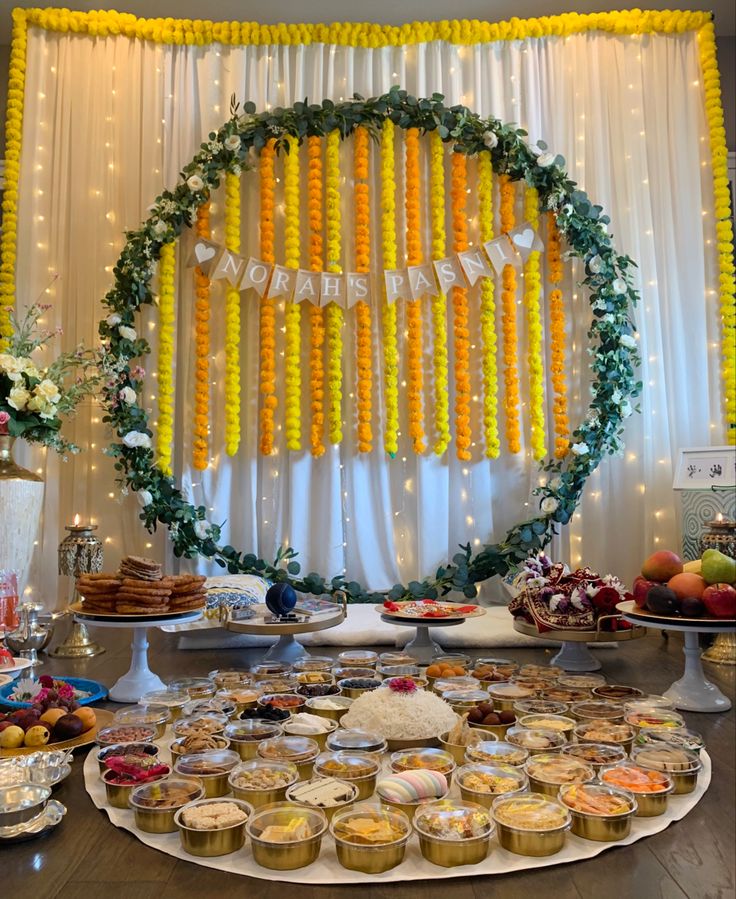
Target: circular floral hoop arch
[[614, 364]]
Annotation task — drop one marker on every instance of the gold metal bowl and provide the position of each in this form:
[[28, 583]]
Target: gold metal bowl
[[370, 857], [150, 750], [505, 695], [499, 731], [245, 736], [300, 751], [157, 819], [211, 843], [320, 738], [292, 854], [449, 852], [684, 780], [649, 804], [260, 797], [486, 797], [524, 836], [408, 808], [341, 765], [205, 722], [456, 750], [118, 795], [142, 716], [177, 746], [602, 828], [333, 714], [427, 743], [196, 687], [173, 700], [433, 759], [212, 768], [548, 771], [561, 723], [610, 733], [351, 790], [355, 692]]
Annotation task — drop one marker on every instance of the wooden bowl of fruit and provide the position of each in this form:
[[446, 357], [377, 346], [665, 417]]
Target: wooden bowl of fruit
[[483, 717]]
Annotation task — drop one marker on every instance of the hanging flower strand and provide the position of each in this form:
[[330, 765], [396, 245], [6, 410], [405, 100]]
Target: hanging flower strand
[[268, 306], [459, 173], [363, 310], [388, 247], [414, 307], [335, 316], [200, 443], [488, 313], [532, 292], [165, 430], [232, 320], [439, 302], [292, 344], [508, 294], [316, 313], [557, 340]]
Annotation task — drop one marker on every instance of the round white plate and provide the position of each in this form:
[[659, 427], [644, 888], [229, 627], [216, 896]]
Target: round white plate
[[16, 668]]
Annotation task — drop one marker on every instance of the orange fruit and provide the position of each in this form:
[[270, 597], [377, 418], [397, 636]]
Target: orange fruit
[[687, 584], [87, 716], [51, 716]]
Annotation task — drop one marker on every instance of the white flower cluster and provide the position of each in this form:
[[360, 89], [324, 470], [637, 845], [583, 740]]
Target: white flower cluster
[[32, 390]]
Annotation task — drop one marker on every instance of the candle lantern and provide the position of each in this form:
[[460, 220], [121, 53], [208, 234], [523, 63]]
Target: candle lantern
[[721, 535], [80, 552]]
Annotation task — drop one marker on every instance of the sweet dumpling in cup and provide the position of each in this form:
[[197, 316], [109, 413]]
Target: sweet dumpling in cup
[[412, 786]]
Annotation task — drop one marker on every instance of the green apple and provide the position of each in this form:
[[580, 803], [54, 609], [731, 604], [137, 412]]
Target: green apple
[[718, 568]]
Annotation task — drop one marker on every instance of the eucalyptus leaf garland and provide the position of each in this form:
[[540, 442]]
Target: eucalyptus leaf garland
[[613, 347]]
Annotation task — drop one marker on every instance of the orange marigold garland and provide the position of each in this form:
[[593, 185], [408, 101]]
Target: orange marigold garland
[[459, 175], [535, 365], [508, 295], [439, 302], [232, 320], [488, 313], [557, 340], [316, 313], [335, 315], [292, 334], [363, 310], [268, 306], [414, 307], [200, 443]]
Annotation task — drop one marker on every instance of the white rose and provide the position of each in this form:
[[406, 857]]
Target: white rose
[[113, 320], [237, 171], [160, 228], [195, 183], [48, 390], [549, 504], [555, 483], [12, 366], [201, 529], [127, 333], [580, 449], [628, 341], [546, 160], [620, 286], [18, 398], [136, 439], [128, 395], [595, 264], [490, 139], [232, 142], [145, 498]]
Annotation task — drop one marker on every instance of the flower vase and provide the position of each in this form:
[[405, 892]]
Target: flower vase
[[21, 501]]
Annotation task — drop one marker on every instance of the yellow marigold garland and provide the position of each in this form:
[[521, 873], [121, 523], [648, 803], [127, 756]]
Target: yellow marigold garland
[[414, 307], [316, 313], [363, 310], [13, 136], [232, 320], [535, 366], [508, 294], [335, 315], [268, 306], [724, 226], [439, 303], [292, 255], [557, 340], [200, 443], [165, 430], [459, 179], [388, 248], [488, 313]]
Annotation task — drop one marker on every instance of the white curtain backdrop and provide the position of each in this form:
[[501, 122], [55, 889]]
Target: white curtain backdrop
[[110, 122]]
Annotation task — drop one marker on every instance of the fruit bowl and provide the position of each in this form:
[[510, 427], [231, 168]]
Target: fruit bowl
[[95, 690], [104, 719]]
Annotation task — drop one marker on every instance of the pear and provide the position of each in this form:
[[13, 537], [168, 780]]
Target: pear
[[718, 568]]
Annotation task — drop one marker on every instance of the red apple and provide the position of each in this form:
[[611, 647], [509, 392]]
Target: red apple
[[640, 589], [720, 600], [661, 566]]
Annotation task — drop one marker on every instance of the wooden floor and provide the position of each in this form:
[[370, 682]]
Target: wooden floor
[[88, 857]]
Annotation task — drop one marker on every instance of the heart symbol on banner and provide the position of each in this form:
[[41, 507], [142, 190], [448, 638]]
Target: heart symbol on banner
[[524, 238], [203, 252]]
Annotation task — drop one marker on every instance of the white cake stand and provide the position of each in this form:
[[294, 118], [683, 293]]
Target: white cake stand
[[287, 648], [693, 692], [139, 678]]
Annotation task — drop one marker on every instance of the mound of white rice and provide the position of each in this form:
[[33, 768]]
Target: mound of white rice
[[400, 716]]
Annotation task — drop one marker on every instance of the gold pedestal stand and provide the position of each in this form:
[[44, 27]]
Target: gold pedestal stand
[[723, 650], [78, 644]]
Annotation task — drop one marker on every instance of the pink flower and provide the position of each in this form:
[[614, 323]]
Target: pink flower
[[139, 373], [402, 685], [66, 691], [4, 419]]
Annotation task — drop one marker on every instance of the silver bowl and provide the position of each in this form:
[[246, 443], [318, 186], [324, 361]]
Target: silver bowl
[[22, 802]]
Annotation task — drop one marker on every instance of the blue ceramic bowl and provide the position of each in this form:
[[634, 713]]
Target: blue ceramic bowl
[[97, 691]]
